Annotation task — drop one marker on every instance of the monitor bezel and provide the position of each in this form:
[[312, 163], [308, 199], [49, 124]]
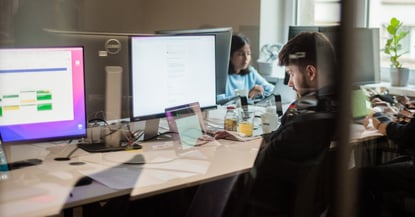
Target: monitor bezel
[[63, 137]]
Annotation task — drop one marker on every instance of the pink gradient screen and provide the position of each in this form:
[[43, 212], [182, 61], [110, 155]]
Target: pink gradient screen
[[42, 94]]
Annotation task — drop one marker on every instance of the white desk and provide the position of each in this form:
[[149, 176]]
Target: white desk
[[47, 188], [370, 146]]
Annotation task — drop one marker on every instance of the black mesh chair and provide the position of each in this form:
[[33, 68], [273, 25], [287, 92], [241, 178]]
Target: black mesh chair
[[303, 191]]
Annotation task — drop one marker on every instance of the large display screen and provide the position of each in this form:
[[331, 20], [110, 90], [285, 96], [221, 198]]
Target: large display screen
[[223, 38], [42, 94], [167, 71]]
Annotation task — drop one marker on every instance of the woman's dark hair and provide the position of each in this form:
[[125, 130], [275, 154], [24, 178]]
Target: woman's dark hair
[[238, 41]]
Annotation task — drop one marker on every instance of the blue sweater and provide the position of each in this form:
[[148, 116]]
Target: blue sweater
[[248, 81]]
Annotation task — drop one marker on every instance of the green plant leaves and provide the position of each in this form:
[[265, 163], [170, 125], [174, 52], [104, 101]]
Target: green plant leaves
[[393, 43]]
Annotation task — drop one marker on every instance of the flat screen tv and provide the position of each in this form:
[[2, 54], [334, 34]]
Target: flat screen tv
[[42, 94], [367, 50], [170, 70], [222, 50], [367, 56]]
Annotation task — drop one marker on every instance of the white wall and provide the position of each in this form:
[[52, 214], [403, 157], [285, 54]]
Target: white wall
[[28, 17], [111, 16], [146, 16]]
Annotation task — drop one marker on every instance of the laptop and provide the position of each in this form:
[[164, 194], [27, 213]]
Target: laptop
[[360, 106], [187, 122]]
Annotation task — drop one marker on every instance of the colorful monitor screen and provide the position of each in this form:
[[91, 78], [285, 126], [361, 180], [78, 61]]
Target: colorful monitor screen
[[42, 94]]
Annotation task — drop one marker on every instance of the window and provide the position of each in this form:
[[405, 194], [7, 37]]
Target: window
[[325, 12], [379, 14], [369, 13]]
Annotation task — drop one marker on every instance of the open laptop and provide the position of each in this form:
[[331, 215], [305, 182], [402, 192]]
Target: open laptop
[[187, 121], [360, 106]]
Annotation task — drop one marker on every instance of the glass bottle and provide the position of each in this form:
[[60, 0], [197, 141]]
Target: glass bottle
[[231, 119]]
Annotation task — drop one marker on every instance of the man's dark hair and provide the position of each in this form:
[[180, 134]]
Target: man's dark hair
[[238, 41], [309, 48]]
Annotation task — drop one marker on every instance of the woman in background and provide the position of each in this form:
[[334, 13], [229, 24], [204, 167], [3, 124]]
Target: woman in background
[[241, 75]]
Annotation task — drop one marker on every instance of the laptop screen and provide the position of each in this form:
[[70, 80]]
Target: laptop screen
[[187, 121], [360, 102]]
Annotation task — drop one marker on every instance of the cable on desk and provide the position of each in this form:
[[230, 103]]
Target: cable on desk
[[126, 133]]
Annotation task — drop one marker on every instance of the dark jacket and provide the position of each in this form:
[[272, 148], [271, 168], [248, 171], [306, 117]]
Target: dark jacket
[[403, 135], [305, 134]]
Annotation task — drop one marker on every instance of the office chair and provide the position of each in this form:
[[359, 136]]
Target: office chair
[[406, 199], [313, 186], [211, 198], [303, 191]]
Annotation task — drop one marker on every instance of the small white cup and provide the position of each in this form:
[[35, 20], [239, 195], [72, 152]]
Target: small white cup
[[241, 92]]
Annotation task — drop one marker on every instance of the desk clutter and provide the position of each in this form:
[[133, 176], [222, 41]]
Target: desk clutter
[[371, 145], [182, 124]]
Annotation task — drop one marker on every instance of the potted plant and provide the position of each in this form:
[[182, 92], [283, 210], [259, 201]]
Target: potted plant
[[268, 58], [398, 75]]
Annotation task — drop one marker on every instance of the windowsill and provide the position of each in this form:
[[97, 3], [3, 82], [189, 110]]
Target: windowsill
[[408, 90]]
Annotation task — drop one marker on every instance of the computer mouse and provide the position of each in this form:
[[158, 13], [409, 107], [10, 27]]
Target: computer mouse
[[85, 180]]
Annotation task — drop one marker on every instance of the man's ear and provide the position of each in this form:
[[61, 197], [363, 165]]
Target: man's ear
[[311, 72]]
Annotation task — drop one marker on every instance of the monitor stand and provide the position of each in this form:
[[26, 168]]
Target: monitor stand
[[151, 130], [113, 96]]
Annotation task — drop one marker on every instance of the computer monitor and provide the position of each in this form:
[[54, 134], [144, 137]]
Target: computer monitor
[[222, 50], [367, 56], [102, 49], [42, 94], [332, 33], [170, 70], [367, 50]]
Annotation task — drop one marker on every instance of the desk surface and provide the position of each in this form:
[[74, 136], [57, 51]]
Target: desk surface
[[358, 134], [47, 188]]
